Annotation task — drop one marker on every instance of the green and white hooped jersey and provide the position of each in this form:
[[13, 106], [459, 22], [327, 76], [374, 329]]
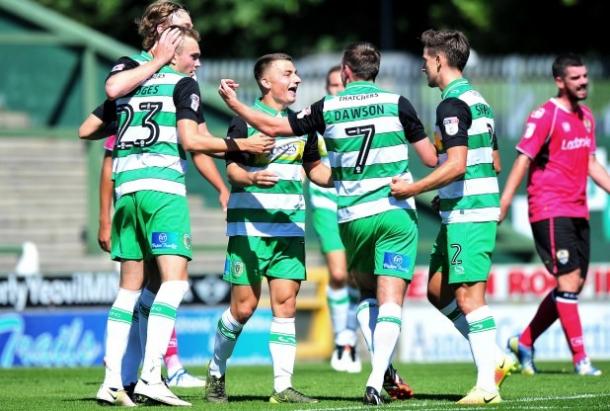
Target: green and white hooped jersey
[[322, 197], [367, 147], [277, 211], [147, 154], [475, 197]]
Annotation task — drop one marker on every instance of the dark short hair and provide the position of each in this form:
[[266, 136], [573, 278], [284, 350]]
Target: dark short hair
[[331, 71], [265, 61], [363, 59], [564, 61], [452, 43]]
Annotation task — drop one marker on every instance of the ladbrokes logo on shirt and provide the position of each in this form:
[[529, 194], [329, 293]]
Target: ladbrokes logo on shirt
[[575, 143]]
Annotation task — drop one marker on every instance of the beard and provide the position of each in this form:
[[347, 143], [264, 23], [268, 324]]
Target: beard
[[577, 95]]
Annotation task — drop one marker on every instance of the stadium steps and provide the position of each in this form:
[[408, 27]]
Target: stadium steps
[[43, 199]]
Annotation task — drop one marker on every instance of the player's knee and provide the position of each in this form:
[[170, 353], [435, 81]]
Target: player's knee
[[466, 302], [571, 282], [337, 280], [285, 307], [243, 312]]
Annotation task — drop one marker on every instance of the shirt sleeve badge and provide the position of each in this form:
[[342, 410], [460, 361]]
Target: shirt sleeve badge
[[451, 125]]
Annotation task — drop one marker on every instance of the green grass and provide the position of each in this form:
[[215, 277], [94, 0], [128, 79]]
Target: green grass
[[437, 387]]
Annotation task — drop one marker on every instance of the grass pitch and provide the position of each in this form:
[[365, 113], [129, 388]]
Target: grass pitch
[[437, 387]]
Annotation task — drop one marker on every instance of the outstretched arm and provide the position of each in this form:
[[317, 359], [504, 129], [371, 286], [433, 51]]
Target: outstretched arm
[[205, 142], [451, 169], [271, 126]]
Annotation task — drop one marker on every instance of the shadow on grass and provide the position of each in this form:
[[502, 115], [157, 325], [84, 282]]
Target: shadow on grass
[[551, 372], [438, 397], [83, 399], [335, 398], [244, 398], [265, 398]]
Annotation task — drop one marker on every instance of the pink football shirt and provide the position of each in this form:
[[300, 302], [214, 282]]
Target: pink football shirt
[[559, 143], [109, 142]]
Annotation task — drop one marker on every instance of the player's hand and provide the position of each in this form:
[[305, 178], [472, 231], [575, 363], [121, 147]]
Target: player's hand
[[223, 200], [436, 204], [165, 48], [103, 236], [227, 88], [504, 206], [264, 178], [401, 189], [257, 144]]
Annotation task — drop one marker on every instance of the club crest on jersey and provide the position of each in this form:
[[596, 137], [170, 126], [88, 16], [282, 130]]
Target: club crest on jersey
[[566, 126], [195, 102], [587, 123], [563, 256], [305, 112], [451, 125]]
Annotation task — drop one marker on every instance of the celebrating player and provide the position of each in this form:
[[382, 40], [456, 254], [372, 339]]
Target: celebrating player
[[366, 130], [265, 225], [156, 123], [469, 203]]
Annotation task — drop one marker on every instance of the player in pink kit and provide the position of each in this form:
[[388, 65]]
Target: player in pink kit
[[558, 148]]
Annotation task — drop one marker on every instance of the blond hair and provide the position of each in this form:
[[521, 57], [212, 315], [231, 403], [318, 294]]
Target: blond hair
[[157, 13]]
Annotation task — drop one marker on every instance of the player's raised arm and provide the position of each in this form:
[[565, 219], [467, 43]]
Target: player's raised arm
[[126, 81], [271, 126]]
